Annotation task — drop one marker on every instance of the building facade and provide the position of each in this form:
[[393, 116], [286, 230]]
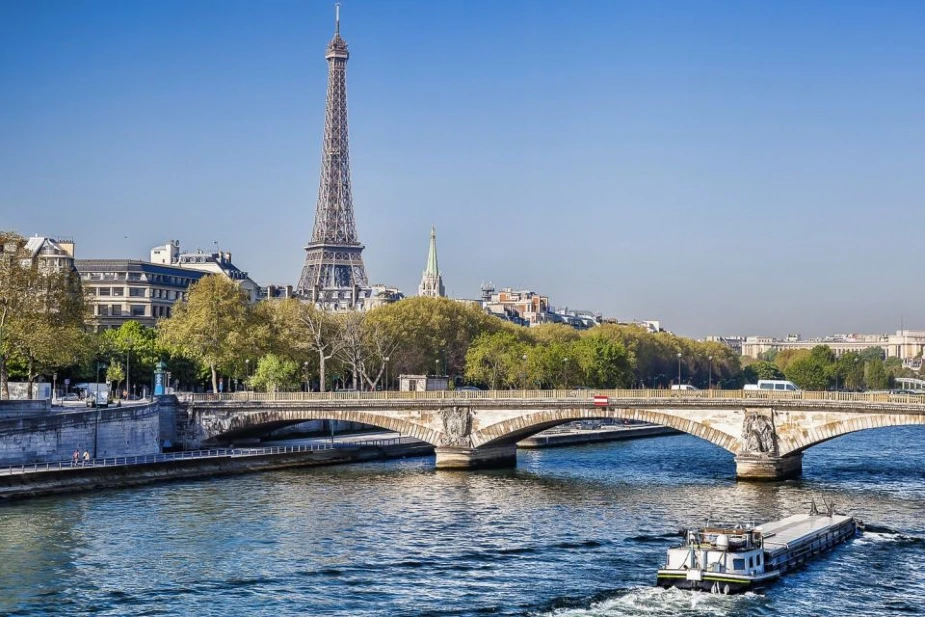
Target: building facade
[[216, 262], [906, 345], [119, 290], [48, 255]]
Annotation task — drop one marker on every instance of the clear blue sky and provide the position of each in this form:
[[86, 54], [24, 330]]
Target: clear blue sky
[[726, 167]]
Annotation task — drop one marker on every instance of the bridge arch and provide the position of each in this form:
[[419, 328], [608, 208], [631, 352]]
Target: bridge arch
[[799, 441], [511, 431], [214, 427]]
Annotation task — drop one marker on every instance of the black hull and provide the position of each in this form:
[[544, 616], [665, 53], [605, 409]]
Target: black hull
[[720, 585]]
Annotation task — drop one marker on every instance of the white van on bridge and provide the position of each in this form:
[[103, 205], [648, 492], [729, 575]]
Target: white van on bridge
[[778, 385]]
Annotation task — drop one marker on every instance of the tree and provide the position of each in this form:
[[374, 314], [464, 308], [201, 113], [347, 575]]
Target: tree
[[424, 330], [276, 373], [495, 359], [601, 362], [876, 375], [41, 314], [132, 344], [762, 370], [785, 357], [808, 373], [211, 326]]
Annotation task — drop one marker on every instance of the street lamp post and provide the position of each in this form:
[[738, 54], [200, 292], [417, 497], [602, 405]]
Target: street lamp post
[[679, 370], [96, 427], [247, 373], [386, 373], [565, 372], [524, 358], [127, 378], [305, 374], [710, 377], [54, 386]]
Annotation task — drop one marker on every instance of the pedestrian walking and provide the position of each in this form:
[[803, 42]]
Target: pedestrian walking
[[75, 457], [86, 457]]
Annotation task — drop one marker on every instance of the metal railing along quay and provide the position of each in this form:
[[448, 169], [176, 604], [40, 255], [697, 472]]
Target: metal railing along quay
[[124, 461], [586, 395]]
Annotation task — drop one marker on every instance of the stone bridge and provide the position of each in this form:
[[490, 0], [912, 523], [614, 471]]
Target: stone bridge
[[766, 432]]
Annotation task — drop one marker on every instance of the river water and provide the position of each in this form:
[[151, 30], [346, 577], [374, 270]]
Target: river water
[[571, 532]]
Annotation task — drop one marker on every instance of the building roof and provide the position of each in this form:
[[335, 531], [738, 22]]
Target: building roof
[[135, 265]]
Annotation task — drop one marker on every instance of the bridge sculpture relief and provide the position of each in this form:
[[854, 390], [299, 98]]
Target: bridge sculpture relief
[[767, 435]]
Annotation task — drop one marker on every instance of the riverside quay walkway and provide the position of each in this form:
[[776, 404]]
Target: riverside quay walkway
[[200, 455], [766, 432]]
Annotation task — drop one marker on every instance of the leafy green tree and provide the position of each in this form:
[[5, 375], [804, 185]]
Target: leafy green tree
[[809, 373], [601, 362], [872, 353], [762, 370], [115, 373], [211, 326], [275, 373], [850, 371], [41, 314], [495, 360], [876, 375], [428, 331]]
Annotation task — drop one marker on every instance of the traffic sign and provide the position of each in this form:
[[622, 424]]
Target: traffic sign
[[601, 401]]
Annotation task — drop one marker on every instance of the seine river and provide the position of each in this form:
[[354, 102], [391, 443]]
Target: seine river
[[572, 532]]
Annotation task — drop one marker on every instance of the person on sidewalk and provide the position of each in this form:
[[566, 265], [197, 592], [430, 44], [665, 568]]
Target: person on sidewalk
[[86, 457]]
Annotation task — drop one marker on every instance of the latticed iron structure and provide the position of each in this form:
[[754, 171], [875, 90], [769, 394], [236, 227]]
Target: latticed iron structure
[[334, 276]]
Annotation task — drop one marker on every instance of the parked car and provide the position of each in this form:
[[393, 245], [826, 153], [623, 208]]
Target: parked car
[[68, 397], [469, 389]]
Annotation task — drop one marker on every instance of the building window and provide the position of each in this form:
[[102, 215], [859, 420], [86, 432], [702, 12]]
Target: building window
[[117, 310], [118, 291], [168, 312], [136, 292], [103, 310], [134, 276], [138, 310], [102, 291]]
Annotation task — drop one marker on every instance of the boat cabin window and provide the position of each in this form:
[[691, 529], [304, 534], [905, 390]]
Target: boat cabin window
[[738, 564], [751, 562]]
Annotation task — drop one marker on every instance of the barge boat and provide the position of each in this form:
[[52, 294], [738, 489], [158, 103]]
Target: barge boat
[[735, 559]]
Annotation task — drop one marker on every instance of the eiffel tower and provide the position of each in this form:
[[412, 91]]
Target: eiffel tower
[[334, 277]]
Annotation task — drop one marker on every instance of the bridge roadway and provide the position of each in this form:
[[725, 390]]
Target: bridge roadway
[[766, 432]]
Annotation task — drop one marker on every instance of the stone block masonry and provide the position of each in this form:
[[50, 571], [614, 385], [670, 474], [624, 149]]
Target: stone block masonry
[[105, 432]]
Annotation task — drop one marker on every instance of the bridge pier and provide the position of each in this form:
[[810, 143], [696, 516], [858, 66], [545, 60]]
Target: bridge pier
[[486, 457], [760, 467]]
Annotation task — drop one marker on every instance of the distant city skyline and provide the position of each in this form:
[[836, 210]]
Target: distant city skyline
[[726, 169]]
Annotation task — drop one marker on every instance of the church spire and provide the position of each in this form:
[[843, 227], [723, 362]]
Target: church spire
[[431, 282]]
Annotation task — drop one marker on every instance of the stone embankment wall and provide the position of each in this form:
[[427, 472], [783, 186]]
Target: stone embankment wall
[[22, 409], [105, 432]]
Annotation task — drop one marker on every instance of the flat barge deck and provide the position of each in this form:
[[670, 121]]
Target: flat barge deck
[[735, 559]]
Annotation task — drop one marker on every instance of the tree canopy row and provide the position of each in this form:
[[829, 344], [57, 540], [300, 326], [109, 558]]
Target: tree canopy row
[[217, 340]]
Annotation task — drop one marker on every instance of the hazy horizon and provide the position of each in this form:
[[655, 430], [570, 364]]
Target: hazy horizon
[[723, 168]]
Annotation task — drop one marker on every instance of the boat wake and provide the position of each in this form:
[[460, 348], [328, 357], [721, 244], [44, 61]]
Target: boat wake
[[657, 602]]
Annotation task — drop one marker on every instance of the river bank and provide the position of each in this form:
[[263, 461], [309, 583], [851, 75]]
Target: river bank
[[41, 479], [45, 479]]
